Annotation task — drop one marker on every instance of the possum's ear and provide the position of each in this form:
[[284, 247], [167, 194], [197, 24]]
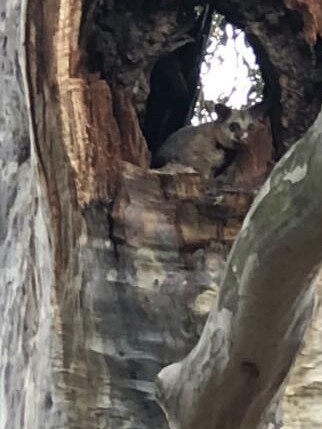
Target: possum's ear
[[222, 111], [259, 111]]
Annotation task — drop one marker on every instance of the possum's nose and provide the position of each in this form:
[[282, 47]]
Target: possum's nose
[[243, 136]]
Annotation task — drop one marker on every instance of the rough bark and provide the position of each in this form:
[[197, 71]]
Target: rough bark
[[108, 269]]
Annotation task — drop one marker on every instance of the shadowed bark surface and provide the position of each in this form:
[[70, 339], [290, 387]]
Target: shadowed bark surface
[[109, 269], [284, 36], [252, 336]]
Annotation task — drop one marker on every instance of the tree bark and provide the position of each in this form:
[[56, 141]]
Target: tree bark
[[109, 269], [303, 391], [251, 338]]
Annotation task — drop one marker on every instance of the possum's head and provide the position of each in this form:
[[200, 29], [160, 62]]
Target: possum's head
[[236, 124]]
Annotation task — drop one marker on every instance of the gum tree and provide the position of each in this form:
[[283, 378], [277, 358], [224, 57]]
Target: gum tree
[[108, 268]]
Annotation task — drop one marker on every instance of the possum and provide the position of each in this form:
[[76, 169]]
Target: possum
[[211, 147]]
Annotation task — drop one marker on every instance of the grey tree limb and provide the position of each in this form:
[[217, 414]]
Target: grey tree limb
[[235, 375]]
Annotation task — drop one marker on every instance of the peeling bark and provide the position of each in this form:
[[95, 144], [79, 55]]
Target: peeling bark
[[108, 269], [284, 37], [312, 17]]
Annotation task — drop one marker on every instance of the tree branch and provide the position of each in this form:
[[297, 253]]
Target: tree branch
[[234, 376]]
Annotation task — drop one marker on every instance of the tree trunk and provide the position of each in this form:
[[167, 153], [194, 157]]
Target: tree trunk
[[109, 269], [252, 336]]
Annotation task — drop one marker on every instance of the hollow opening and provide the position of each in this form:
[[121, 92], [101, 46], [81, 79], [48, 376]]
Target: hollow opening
[[157, 52], [176, 72], [225, 71], [229, 72], [175, 64]]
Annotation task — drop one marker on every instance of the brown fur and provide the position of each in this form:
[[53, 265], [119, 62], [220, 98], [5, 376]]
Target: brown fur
[[205, 147]]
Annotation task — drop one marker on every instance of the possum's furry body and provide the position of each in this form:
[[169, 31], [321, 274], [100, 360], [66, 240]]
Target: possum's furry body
[[208, 147]]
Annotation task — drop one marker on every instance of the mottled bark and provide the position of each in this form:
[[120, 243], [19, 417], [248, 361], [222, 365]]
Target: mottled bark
[[303, 393], [108, 269], [252, 336]]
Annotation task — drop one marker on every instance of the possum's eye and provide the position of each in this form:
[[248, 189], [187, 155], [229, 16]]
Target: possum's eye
[[234, 126], [251, 127]]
